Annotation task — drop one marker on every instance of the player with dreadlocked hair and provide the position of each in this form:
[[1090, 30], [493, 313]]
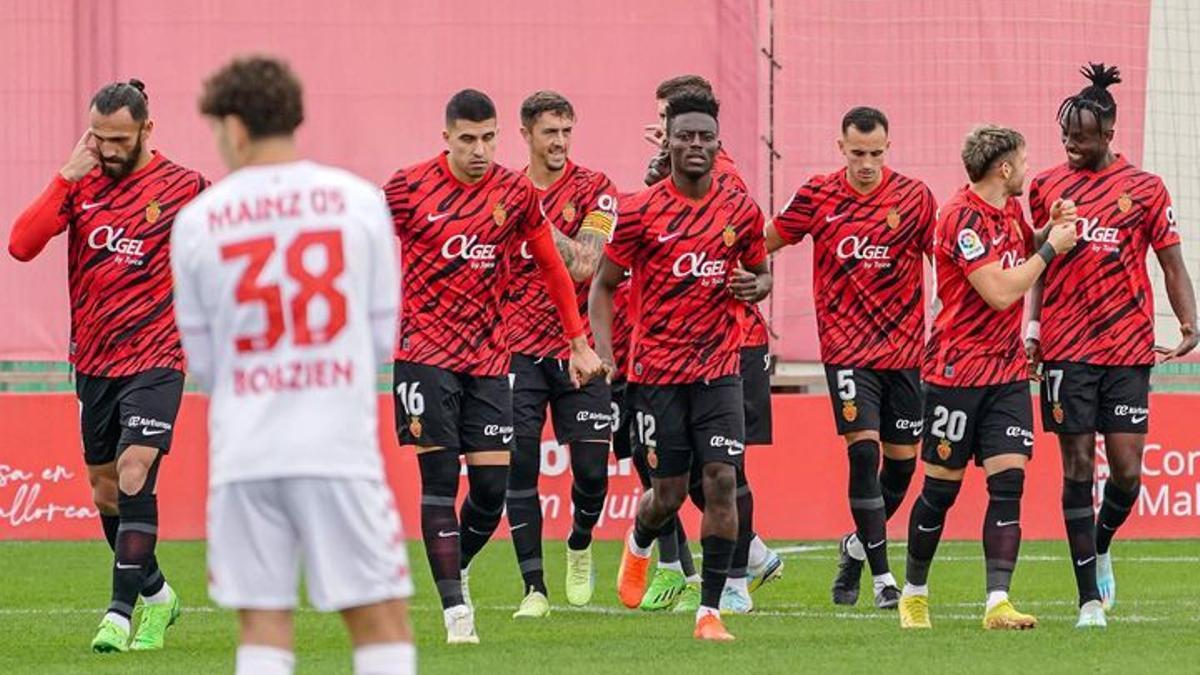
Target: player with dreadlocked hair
[[1092, 326]]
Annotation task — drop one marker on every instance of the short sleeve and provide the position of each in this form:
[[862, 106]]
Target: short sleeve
[[796, 219], [628, 235], [602, 209], [966, 243], [1163, 231], [396, 191]]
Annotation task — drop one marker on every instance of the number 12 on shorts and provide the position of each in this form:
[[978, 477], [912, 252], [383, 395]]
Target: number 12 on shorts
[[646, 426]]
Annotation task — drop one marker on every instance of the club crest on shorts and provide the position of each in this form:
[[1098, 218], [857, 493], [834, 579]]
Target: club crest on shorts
[[729, 236], [893, 218], [1124, 202], [849, 411], [153, 211], [568, 212], [499, 215], [651, 458], [414, 426], [1057, 412], [943, 449]]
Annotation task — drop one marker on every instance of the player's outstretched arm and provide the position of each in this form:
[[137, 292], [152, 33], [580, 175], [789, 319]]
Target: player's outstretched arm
[[1182, 295], [1000, 288], [584, 364], [600, 310], [775, 241], [42, 220]]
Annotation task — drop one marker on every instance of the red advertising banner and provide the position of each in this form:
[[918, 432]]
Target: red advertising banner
[[799, 483]]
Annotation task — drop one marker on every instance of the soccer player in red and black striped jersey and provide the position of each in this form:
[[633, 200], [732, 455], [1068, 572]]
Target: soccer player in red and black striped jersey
[[977, 403], [460, 218], [1096, 331], [675, 580], [581, 204], [695, 250], [870, 227], [117, 199]]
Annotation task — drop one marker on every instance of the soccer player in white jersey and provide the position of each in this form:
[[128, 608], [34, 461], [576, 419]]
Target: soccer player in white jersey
[[286, 297]]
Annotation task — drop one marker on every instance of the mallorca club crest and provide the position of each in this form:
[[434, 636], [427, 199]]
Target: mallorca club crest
[[1124, 202], [943, 449], [729, 236], [569, 212], [153, 211], [849, 411], [1057, 412], [651, 458], [893, 219], [414, 426], [499, 215]]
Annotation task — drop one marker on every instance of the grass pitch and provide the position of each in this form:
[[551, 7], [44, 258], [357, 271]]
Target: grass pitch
[[52, 596]]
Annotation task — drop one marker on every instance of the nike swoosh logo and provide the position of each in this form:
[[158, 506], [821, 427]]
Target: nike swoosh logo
[[433, 219], [1137, 419], [88, 206], [734, 453], [482, 534], [998, 240], [1028, 442], [917, 431], [506, 439], [446, 535], [1006, 523], [589, 513], [876, 544], [1110, 529], [668, 237], [600, 426], [1081, 563], [929, 529], [836, 216], [122, 566], [153, 432], [514, 528]]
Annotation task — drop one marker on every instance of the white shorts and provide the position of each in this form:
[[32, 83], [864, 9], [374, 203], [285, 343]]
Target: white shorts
[[346, 532]]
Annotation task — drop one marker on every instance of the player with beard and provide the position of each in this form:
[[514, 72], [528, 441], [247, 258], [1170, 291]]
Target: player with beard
[[117, 199], [581, 204]]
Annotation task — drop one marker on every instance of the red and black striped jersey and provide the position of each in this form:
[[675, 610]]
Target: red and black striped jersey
[[579, 199], [686, 325], [867, 271], [973, 345], [119, 269], [1097, 303], [456, 240]]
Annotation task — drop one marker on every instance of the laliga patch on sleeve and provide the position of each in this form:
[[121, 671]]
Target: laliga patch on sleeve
[[970, 245]]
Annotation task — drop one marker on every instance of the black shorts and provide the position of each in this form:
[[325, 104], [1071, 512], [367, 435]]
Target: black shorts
[[436, 407], [870, 399], [583, 414], [756, 394], [678, 425], [117, 412], [622, 412], [964, 423], [1079, 398]]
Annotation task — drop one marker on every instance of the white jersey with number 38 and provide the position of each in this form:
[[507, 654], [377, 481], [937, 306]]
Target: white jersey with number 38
[[286, 291]]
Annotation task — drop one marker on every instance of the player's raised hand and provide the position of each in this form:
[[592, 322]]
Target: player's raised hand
[[585, 365], [1063, 210], [658, 169], [654, 134], [1063, 236], [83, 158]]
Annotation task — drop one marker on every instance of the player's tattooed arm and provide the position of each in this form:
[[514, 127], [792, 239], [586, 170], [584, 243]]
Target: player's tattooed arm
[[1182, 295], [582, 254]]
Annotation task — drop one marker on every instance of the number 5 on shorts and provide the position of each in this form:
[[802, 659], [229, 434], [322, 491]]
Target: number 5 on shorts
[[847, 391]]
